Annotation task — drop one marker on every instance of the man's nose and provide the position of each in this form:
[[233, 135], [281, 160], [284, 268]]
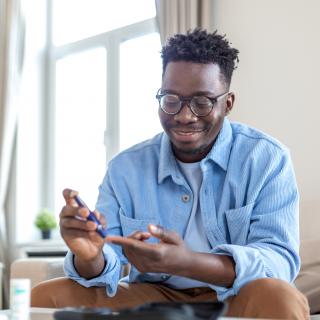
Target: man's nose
[[185, 115]]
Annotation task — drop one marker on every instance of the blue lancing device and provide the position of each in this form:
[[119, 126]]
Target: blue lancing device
[[100, 229]]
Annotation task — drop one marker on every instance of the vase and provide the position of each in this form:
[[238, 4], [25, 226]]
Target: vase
[[46, 234]]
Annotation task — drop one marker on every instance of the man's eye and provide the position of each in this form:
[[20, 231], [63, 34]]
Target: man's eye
[[201, 100], [170, 100]]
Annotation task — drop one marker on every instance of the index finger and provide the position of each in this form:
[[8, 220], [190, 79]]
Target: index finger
[[121, 240], [140, 247]]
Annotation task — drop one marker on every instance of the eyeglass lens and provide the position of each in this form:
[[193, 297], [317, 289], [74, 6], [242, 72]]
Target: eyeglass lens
[[172, 104]]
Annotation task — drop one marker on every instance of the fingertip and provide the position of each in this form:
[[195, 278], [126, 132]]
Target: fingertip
[[155, 230], [84, 212], [107, 239], [146, 234], [73, 193], [152, 227], [69, 193]]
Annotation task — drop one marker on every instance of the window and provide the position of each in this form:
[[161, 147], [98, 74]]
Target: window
[[101, 73], [74, 20], [140, 74], [80, 116]]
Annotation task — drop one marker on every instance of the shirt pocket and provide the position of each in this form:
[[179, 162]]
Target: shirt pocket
[[130, 225], [238, 222]]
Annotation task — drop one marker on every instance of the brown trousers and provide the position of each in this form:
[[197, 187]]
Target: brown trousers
[[262, 298]]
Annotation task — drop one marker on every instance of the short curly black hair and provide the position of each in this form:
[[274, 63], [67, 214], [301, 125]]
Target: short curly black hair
[[202, 47]]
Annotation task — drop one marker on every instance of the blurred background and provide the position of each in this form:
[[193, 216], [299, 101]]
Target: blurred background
[[78, 80]]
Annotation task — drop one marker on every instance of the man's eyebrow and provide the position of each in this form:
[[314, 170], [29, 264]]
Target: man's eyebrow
[[196, 93], [203, 93]]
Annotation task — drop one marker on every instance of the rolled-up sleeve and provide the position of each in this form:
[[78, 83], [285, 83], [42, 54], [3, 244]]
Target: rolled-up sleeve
[[108, 278], [272, 243]]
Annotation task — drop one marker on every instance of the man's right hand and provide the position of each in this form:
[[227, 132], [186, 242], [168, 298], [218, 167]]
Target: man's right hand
[[80, 236]]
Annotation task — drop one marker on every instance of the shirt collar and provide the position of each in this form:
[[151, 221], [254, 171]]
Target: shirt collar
[[219, 153], [167, 160]]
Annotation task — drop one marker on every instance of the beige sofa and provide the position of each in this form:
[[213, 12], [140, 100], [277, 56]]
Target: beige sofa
[[37, 269], [308, 280]]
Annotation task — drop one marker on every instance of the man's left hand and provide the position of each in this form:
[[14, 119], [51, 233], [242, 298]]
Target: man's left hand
[[168, 256]]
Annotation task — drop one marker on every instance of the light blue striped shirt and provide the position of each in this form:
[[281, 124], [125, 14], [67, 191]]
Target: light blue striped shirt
[[248, 203]]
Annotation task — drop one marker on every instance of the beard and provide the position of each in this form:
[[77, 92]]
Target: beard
[[203, 150]]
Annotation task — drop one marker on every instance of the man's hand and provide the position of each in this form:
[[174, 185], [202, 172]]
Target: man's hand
[[168, 256], [80, 236], [173, 257]]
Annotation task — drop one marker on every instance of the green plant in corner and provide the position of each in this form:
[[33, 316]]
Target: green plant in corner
[[45, 221]]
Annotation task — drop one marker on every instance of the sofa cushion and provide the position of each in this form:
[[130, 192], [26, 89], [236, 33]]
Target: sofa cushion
[[308, 280], [37, 269]]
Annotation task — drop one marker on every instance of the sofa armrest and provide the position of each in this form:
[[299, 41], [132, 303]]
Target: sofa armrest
[[308, 280], [37, 269]]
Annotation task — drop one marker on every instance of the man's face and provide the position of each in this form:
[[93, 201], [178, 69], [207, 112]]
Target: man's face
[[192, 137]]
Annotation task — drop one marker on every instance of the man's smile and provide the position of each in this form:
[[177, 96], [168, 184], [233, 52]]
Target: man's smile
[[186, 135]]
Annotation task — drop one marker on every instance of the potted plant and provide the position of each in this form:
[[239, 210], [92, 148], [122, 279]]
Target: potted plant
[[45, 222]]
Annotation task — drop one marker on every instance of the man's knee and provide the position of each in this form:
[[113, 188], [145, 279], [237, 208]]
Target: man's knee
[[45, 294], [275, 298], [274, 288]]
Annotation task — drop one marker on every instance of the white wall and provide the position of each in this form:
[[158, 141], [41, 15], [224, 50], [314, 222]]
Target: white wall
[[277, 82]]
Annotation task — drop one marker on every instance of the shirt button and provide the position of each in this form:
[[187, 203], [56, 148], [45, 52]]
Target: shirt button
[[185, 198]]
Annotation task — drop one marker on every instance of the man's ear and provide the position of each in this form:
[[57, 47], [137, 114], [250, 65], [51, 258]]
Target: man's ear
[[230, 102]]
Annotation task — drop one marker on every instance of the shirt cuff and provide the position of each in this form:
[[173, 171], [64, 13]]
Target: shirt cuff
[[249, 266], [108, 278]]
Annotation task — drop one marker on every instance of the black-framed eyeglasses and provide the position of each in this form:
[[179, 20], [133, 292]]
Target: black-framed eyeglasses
[[201, 106]]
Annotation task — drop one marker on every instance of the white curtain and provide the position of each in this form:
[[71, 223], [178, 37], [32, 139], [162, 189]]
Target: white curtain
[[178, 16], [11, 60]]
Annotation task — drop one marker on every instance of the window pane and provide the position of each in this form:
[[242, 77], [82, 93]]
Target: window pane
[[140, 78], [80, 124], [78, 19]]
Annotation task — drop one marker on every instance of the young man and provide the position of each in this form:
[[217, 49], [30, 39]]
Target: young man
[[207, 210]]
